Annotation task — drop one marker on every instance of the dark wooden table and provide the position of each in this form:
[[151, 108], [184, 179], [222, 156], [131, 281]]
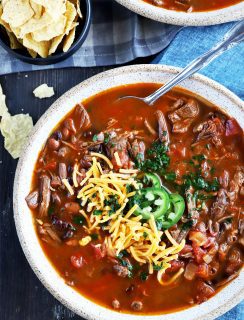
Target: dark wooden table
[[22, 296]]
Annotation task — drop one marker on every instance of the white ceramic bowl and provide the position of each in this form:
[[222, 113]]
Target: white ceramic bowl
[[220, 303], [205, 18]]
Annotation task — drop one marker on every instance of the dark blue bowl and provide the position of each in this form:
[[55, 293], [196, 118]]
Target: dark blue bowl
[[81, 34]]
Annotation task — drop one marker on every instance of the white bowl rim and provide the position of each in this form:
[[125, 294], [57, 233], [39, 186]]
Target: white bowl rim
[[86, 307], [202, 18]]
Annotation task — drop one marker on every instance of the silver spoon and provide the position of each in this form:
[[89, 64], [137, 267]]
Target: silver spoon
[[234, 36]]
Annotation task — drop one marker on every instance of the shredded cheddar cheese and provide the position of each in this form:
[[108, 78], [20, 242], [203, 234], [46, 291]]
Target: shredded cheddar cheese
[[142, 240], [68, 186]]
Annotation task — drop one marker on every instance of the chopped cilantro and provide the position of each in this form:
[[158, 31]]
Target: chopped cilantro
[[106, 138], [199, 157], [125, 263], [187, 225], [51, 210], [145, 234], [170, 176], [78, 219], [95, 138], [113, 203], [97, 212], [144, 276], [208, 146], [129, 188], [157, 267], [199, 183], [157, 159], [228, 220], [212, 170], [94, 236]]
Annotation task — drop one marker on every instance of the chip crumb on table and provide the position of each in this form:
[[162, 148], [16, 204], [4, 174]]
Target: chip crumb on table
[[15, 129], [43, 91]]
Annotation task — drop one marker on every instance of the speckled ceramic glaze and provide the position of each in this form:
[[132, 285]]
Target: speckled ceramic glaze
[[206, 18], [215, 93]]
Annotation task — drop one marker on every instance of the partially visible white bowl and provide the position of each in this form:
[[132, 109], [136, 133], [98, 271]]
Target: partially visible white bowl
[[205, 18], [215, 93]]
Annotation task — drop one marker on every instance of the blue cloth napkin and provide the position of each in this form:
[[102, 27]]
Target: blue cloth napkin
[[236, 313], [117, 35], [227, 69]]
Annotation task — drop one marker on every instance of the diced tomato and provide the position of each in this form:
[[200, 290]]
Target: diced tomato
[[198, 253], [77, 261], [187, 248], [198, 238], [175, 266], [210, 242], [178, 150], [203, 271], [99, 252], [50, 166], [232, 128]]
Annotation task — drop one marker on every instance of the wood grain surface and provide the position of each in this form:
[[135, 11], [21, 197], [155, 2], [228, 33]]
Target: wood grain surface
[[22, 296]]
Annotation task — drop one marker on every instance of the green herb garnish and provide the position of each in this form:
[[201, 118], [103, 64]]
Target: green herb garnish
[[94, 236], [144, 276], [97, 212], [78, 220]]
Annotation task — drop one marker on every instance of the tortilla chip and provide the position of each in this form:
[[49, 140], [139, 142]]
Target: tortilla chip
[[37, 9], [78, 9], [43, 91], [51, 31], [35, 24], [14, 43], [3, 23], [55, 8], [32, 53], [69, 26], [17, 12], [3, 107], [41, 48], [70, 15], [69, 39], [4, 2], [55, 43], [16, 32], [15, 130]]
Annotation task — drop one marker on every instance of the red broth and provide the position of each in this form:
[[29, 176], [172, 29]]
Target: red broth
[[88, 269], [193, 5]]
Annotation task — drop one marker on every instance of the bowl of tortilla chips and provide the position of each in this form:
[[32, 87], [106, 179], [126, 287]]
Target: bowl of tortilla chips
[[44, 31]]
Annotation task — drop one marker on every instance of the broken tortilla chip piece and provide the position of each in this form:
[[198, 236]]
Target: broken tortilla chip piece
[[51, 31], [37, 9], [35, 24], [69, 39], [17, 12], [41, 48], [15, 129], [55, 8], [32, 53], [70, 15], [13, 41], [3, 107]]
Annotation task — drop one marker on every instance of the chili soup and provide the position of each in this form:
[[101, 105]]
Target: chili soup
[[140, 208]]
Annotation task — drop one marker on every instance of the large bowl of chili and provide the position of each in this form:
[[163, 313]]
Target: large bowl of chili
[[45, 254], [187, 12]]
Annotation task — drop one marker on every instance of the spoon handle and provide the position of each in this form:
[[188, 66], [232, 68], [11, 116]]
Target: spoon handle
[[234, 36]]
